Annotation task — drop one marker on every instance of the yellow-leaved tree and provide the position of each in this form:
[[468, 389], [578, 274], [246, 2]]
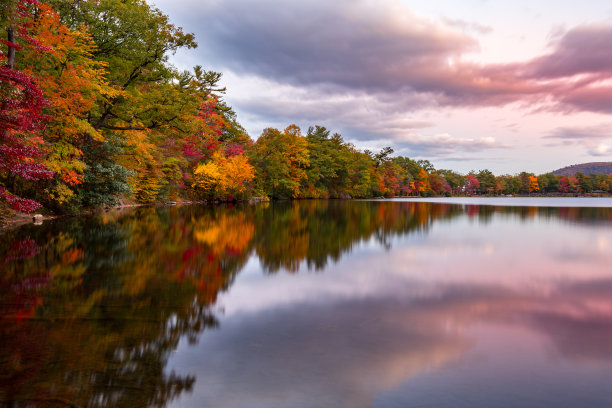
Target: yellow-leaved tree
[[225, 177], [207, 177]]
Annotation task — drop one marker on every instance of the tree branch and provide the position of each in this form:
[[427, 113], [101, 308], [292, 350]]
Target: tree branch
[[105, 126]]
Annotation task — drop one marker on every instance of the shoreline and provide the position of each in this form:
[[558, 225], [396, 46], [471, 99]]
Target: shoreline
[[21, 219]]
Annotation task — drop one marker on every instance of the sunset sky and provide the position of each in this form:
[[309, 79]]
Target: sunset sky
[[504, 85]]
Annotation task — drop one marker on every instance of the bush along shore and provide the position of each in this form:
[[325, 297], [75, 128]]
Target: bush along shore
[[92, 118]]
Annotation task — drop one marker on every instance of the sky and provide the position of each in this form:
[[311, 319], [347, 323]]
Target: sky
[[508, 86]]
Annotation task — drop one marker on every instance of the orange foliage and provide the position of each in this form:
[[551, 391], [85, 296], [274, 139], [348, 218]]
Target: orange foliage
[[533, 184], [422, 181], [73, 82], [225, 175]]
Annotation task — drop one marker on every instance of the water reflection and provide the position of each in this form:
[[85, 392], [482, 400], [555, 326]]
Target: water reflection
[[214, 305]]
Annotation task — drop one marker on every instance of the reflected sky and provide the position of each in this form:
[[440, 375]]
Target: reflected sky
[[494, 311], [311, 304]]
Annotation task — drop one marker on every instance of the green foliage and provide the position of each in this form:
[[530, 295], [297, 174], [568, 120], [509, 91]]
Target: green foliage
[[105, 179], [487, 181], [280, 160]]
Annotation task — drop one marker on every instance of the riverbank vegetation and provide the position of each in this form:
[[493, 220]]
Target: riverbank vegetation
[[92, 113]]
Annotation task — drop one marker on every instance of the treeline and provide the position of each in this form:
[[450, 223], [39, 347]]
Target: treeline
[[92, 113]]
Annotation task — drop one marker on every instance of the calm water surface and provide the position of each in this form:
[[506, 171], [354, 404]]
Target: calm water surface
[[312, 304]]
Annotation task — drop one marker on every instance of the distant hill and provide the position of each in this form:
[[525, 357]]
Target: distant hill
[[586, 168]]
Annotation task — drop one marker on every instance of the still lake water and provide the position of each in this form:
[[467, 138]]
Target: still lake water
[[399, 303]]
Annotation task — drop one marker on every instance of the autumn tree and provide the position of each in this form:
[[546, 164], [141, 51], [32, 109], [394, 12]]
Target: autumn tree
[[455, 180], [585, 182], [133, 40], [21, 108], [439, 185], [529, 183], [225, 177], [421, 182], [472, 185], [281, 160], [72, 83]]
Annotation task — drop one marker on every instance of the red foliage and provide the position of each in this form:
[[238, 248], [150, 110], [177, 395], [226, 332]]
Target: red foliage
[[191, 150], [21, 105], [472, 185], [563, 185], [233, 149], [20, 204], [22, 249], [22, 102], [205, 141]]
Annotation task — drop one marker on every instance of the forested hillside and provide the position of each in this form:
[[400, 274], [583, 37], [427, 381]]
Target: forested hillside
[[92, 113], [585, 168]]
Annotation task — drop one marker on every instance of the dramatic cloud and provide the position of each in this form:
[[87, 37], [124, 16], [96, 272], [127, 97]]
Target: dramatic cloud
[[372, 68], [580, 66], [385, 47], [582, 50], [356, 44]]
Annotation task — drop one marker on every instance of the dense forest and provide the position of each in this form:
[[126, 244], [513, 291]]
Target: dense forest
[[93, 113]]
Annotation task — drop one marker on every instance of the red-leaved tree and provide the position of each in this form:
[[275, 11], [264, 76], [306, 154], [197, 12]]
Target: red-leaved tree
[[21, 105]]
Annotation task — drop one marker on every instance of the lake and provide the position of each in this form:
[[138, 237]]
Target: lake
[[394, 303]]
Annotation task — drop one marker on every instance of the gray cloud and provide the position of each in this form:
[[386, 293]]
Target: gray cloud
[[597, 132], [364, 67], [356, 46], [580, 50], [439, 145], [362, 46], [590, 137]]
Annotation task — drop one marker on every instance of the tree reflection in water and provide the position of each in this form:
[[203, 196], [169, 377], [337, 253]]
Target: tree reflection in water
[[92, 308]]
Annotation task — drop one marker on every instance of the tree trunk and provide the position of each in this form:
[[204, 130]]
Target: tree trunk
[[11, 49]]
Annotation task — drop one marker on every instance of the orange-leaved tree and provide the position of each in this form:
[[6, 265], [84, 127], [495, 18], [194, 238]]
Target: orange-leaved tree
[[72, 82]]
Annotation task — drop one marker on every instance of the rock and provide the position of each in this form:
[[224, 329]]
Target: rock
[[171, 203], [254, 200], [38, 219]]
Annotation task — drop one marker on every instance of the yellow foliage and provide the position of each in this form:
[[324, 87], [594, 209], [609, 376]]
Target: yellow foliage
[[139, 157], [236, 173], [225, 175], [207, 176], [146, 185], [60, 192]]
